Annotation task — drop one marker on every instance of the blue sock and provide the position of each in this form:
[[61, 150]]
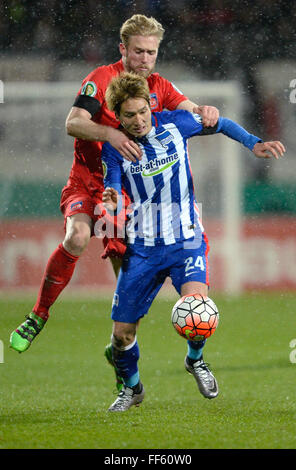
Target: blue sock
[[126, 362], [195, 349], [133, 380]]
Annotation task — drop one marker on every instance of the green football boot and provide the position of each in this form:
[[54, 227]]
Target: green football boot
[[22, 337], [108, 356]]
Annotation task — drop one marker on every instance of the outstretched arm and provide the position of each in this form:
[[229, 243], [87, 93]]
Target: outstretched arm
[[260, 149]]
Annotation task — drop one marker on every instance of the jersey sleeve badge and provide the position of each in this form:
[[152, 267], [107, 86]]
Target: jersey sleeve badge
[[89, 89], [105, 168]]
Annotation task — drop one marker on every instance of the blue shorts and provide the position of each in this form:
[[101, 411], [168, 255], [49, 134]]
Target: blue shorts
[[145, 269]]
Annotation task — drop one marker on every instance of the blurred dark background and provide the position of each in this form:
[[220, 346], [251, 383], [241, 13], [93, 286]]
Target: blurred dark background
[[215, 39]]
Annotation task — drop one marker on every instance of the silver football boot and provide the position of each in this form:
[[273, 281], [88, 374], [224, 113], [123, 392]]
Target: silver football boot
[[127, 398], [206, 381]]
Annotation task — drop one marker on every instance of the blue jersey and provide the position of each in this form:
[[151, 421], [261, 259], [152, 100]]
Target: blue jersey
[[160, 186]]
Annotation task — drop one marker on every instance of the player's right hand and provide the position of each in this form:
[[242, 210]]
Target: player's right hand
[[125, 146], [110, 199], [209, 114]]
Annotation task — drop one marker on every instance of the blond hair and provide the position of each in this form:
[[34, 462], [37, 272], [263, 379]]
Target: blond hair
[[140, 25], [124, 86]]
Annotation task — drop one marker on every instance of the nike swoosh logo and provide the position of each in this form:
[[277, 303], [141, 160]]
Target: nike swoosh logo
[[48, 279]]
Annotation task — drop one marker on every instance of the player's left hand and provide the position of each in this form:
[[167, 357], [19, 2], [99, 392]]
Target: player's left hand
[[209, 114], [269, 149]]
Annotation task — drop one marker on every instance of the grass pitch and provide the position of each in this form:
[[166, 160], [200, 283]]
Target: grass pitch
[[55, 395]]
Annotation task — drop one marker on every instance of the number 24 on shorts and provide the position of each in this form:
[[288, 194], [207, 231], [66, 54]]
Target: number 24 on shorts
[[189, 263]]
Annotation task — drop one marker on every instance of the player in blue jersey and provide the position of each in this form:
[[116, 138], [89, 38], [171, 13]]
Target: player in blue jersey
[[163, 229]]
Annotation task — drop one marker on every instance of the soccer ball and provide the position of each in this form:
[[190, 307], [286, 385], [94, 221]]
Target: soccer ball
[[195, 317]]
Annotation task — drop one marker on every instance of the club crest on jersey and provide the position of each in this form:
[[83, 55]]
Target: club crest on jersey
[[164, 138], [153, 101], [89, 89]]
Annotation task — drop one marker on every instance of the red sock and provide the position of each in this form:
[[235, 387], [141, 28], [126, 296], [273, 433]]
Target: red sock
[[58, 272]]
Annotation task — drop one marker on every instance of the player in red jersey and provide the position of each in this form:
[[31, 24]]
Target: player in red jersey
[[91, 123]]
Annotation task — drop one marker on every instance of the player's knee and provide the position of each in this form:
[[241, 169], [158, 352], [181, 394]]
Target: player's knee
[[122, 339], [76, 240]]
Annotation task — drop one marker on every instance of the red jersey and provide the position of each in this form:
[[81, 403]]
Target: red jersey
[[87, 164]]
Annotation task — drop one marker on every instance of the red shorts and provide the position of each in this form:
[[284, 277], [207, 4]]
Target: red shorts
[[75, 199]]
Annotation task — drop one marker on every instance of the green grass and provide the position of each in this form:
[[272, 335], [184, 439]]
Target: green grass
[[55, 395]]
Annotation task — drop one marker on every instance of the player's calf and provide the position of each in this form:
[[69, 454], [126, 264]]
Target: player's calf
[[108, 356]]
